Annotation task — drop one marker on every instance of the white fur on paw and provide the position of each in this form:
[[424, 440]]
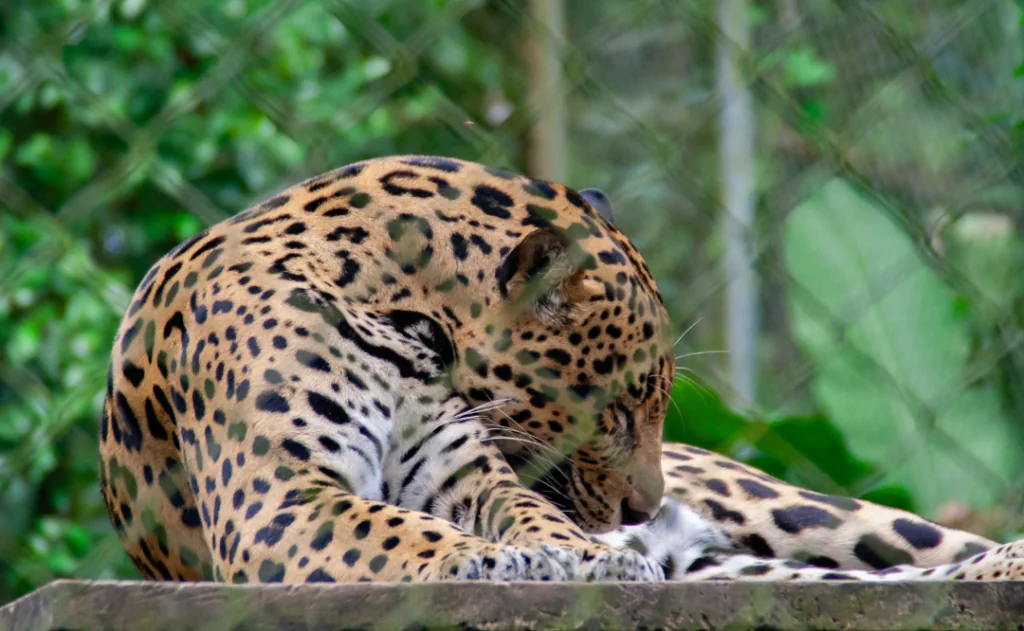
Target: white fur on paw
[[505, 563], [621, 565], [673, 539]]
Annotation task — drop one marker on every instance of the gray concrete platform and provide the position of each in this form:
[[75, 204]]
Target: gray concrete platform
[[113, 606]]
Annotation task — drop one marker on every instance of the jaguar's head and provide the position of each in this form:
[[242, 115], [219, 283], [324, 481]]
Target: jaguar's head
[[578, 351]]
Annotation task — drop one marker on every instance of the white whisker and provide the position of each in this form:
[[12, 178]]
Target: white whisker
[[688, 329], [517, 427], [701, 389], [483, 407], [696, 353]]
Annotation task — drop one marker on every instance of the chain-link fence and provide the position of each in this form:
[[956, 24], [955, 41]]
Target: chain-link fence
[[829, 195]]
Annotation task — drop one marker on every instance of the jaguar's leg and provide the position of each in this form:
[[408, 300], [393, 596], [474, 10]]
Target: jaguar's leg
[[445, 466], [1003, 563], [770, 518], [690, 548]]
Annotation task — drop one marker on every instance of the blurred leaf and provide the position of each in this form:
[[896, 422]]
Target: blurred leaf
[[899, 125], [819, 443], [890, 362], [891, 495], [808, 451], [987, 249], [6, 140], [814, 109], [803, 68], [696, 415], [35, 150]]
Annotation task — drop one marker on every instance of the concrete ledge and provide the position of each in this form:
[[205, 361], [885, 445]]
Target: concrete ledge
[[139, 606]]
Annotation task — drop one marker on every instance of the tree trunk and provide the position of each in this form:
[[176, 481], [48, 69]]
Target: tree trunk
[[736, 165], [546, 155]]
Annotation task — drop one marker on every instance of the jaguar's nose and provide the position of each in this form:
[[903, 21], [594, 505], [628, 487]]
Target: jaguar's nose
[[633, 517]]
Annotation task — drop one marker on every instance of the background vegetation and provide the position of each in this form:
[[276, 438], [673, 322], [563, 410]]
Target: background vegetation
[[887, 241]]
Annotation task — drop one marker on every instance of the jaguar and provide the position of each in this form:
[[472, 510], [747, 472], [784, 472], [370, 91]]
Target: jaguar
[[417, 368]]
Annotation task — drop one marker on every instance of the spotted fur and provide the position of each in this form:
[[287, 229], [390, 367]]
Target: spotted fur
[[722, 520], [352, 381]]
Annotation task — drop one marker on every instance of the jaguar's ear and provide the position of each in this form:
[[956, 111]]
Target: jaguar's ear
[[600, 203], [544, 270]]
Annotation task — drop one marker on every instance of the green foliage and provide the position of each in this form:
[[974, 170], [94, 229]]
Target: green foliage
[[125, 128], [891, 347], [806, 451], [56, 324]]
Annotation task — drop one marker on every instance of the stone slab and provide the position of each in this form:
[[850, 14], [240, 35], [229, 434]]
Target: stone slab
[[141, 606]]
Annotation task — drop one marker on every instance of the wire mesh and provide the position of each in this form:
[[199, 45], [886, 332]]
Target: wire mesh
[[128, 126]]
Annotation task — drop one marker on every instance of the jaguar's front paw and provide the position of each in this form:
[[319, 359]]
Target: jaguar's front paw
[[495, 562], [602, 563]]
